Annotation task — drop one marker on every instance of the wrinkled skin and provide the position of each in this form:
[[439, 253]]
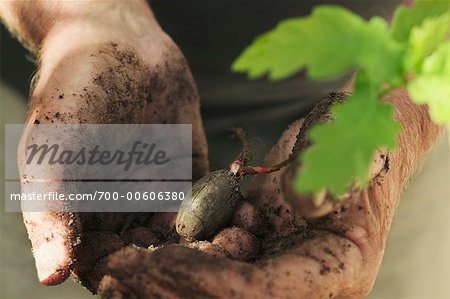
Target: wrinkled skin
[[269, 248], [334, 256]]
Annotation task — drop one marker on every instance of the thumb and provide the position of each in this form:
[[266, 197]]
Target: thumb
[[53, 236], [52, 228]]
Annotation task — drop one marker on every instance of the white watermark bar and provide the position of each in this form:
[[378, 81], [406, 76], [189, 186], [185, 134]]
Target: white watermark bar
[[113, 151], [97, 168], [96, 196]]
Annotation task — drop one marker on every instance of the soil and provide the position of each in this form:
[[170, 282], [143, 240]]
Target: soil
[[122, 88]]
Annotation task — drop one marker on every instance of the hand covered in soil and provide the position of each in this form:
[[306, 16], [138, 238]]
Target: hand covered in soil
[[98, 70], [270, 250], [98, 63]]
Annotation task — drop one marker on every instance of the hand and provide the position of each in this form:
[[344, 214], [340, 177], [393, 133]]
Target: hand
[[274, 252], [113, 65]]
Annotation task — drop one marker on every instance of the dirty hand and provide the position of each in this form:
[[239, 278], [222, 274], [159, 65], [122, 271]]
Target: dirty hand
[[89, 64], [270, 250], [99, 62]]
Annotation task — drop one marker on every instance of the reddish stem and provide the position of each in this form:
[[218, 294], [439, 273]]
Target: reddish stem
[[240, 170]]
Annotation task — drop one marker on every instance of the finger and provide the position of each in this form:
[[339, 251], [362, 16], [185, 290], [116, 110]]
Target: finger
[[292, 142], [315, 206], [53, 230], [307, 268], [365, 217], [308, 205], [90, 256], [325, 264], [53, 238], [95, 246], [131, 267], [265, 191], [248, 217], [238, 243], [112, 288], [209, 248], [158, 274]]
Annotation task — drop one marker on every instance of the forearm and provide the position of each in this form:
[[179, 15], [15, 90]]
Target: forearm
[[33, 21]]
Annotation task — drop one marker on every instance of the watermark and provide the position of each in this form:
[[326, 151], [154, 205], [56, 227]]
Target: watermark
[[141, 153], [97, 168]]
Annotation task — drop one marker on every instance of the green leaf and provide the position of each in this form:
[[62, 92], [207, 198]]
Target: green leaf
[[332, 41], [425, 39], [379, 55], [405, 18], [432, 85], [328, 43], [296, 42], [343, 149]]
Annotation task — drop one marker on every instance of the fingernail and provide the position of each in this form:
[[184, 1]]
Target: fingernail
[[52, 261]]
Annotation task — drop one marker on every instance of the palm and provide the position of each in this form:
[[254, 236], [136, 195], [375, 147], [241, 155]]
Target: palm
[[275, 251], [289, 255]]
